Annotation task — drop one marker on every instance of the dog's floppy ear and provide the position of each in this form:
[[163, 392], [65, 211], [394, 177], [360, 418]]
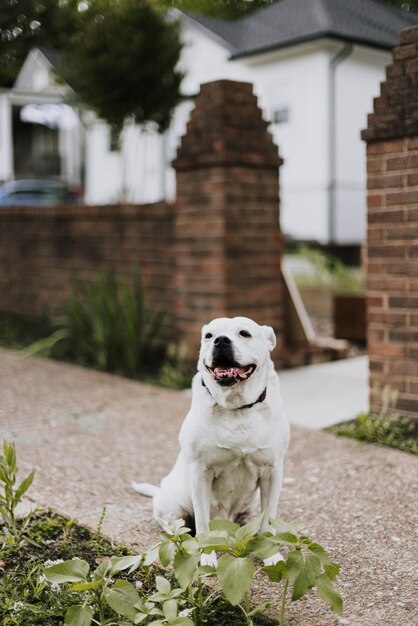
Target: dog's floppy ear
[[270, 337]]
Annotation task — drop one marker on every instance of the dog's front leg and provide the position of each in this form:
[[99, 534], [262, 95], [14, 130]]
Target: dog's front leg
[[201, 480], [270, 487]]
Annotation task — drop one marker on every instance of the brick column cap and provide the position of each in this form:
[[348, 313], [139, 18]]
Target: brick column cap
[[229, 139], [395, 111]]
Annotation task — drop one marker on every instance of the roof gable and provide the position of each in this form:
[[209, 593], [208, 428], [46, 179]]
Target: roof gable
[[288, 22], [37, 74]]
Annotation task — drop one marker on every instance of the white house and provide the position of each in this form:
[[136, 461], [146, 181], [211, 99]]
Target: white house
[[315, 66]]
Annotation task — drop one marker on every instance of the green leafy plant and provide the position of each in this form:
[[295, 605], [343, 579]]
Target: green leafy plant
[[176, 371], [307, 565], [12, 494], [106, 325], [386, 427], [328, 271], [185, 600]]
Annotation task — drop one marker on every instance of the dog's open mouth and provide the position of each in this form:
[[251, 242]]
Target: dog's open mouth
[[231, 373]]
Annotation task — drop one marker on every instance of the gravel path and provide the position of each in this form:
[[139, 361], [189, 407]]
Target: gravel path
[[88, 434]]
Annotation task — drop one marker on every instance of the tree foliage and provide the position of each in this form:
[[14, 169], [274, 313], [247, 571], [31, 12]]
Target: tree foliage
[[223, 9], [411, 5], [26, 24], [123, 63]]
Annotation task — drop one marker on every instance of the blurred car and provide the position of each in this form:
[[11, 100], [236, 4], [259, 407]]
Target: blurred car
[[37, 192]]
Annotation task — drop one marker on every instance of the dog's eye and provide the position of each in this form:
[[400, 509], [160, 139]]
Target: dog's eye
[[208, 336], [244, 333]]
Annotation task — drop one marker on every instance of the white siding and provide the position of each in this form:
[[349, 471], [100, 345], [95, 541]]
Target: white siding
[[6, 146], [357, 83]]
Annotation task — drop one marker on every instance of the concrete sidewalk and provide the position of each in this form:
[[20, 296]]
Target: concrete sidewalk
[[89, 434], [317, 396]]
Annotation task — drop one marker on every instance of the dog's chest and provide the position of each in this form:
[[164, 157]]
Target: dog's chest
[[236, 475], [247, 451]]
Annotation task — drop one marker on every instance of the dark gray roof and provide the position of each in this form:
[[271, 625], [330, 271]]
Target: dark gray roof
[[52, 56], [288, 22]]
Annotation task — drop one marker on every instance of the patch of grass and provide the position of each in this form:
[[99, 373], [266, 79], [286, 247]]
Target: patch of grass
[[396, 432]]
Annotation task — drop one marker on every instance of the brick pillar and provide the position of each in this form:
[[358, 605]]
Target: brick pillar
[[392, 166], [227, 235]]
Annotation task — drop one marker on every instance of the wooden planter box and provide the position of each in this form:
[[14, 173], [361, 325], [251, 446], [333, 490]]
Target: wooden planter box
[[350, 317]]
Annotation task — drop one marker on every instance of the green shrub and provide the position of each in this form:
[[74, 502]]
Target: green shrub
[[329, 271], [386, 428], [105, 325]]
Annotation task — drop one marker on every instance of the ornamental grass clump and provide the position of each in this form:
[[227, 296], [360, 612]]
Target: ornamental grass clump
[[106, 325]]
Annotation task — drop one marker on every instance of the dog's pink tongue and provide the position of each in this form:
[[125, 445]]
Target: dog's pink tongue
[[230, 372]]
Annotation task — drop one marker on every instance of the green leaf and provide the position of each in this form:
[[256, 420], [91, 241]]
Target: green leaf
[[191, 546], [302, 569], [286, 539], [259, 609], [275, 572], [223, 524], [101, 571], [95, 584], [280, 526], [170, 610], [185, 566], [249, 529], [329, 594], [23, 487], [235, 577], [10, 455], [166, 553], [215, 540], [162, 584], [122, 598], [118, 564], [78, 615], [151, 556], [330, 569], [72, 571], [262, 546], [4, 474]]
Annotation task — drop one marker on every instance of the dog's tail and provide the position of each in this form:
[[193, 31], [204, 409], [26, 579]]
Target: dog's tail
[[146, 489]]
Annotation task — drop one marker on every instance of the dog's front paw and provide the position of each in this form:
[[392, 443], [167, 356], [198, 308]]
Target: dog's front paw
[[272, 560], [209, 559]]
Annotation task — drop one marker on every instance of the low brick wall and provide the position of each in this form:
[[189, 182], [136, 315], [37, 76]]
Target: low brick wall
[[44, 250]]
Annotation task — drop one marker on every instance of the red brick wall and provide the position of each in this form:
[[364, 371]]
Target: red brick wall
[[392, 166], [43, 250]]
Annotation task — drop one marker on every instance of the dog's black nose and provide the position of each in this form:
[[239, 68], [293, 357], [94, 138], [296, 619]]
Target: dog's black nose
[[221, 340]]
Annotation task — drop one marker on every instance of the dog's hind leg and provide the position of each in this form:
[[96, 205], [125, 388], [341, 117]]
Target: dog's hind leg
[[168, 506]]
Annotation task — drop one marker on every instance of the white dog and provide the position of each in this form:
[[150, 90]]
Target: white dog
[[235, 436]]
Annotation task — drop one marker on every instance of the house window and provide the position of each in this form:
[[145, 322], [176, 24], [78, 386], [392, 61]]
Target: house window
[[280, 116]]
